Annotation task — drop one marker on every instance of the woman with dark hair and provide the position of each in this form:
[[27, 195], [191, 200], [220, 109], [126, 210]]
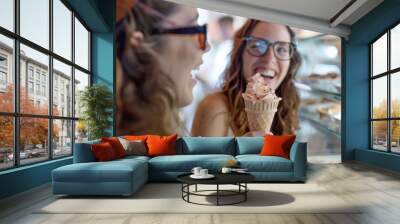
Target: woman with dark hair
[[259, 47], [159, 43]]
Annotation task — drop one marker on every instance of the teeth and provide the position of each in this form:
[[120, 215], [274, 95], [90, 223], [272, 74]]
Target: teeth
[[268, 73], [195, 72]]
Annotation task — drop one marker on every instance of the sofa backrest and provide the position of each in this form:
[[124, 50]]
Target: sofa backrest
[[249, 145], [83, 152], [206, 145]]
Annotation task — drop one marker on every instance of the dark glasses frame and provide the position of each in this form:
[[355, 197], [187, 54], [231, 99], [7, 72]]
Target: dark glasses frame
[[268, 44], [201, 32]]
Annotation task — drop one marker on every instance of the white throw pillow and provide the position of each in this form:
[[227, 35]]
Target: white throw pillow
[[135, 147]]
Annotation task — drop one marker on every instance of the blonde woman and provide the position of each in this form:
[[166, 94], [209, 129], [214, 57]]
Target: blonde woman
[[159, 43]]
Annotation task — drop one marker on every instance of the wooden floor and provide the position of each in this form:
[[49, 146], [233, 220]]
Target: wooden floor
[[377, 188]]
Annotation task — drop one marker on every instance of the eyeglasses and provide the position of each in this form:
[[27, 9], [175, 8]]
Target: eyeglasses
[[200, 31], [259, 47]]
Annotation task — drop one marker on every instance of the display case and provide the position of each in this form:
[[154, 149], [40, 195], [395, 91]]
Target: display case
[[319, 82]]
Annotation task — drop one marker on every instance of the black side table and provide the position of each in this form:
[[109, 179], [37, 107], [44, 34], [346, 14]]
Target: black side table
[[239, 179]]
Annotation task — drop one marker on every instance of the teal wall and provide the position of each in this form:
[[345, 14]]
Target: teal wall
[[356, 126], [98, 15], [24, 178], [103, 58]]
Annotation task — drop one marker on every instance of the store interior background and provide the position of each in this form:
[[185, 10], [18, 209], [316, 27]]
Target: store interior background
[[318, 82]]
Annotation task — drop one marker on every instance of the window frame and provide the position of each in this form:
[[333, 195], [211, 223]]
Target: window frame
[[388, 74], [16, 115]]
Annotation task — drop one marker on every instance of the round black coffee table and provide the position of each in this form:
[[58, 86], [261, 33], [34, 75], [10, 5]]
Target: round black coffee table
[[238, 179]]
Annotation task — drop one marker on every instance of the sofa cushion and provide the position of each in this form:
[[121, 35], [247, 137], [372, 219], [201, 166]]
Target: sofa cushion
[[103, 152], [116, 145], [185, 163], [249, 145], [277, 145], [206, 145], [161, 145], [257, 163], [111, 171], [134, 147]]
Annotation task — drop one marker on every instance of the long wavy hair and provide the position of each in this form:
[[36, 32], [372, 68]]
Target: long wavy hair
[[146, 96], [286, 119]]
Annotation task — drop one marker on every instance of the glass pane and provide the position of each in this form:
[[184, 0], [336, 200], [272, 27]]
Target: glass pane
[[35, 21], [62, 89], [395, 138], [395, 47], [379, 97], [6, 142], [379, 135], [379, 55], [81, 81], [81, 45], [81, 131], [62, 138], [395, 94], [62, 29], [6, 74], [34, 94], [33, 139], [7, 14]]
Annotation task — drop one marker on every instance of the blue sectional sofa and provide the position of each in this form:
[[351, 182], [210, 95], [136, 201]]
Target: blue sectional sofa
[[125, 176]]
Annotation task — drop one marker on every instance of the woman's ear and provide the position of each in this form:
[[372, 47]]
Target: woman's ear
[[136, 38]]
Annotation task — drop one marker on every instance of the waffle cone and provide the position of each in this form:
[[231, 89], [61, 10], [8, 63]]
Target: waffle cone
[[260, 114]]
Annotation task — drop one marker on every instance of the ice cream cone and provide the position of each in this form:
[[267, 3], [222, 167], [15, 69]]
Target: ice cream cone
[[261, 104], [260, 114]]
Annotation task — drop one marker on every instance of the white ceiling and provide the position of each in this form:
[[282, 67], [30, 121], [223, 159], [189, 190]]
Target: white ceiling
[[315, 15]]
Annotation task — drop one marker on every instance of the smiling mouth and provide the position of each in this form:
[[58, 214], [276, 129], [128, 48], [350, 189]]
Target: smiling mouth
[[268, 74]]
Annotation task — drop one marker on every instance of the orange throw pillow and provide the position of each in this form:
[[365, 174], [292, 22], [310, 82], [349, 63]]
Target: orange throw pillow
[[116, 145], [103, 152], [161, 145], [277, 145], [135, 137]]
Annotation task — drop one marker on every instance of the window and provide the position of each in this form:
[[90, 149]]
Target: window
[[44, 91], [3, 61], [47, 73], [38, 89], [34, 22], [3, 78], [30, 72], [62, 29], [30, 87], [7, 14], [81, 45], [3, 71], [37, 74], [385, 95], [6, 73], [62, 75]]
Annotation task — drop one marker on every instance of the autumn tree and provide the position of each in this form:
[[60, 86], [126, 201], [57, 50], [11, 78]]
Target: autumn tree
[[33, 131]]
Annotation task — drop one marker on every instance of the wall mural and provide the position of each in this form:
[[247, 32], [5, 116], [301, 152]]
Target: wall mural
[[201, 73]]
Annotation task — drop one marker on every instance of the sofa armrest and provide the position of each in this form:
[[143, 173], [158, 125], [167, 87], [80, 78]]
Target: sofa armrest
[[298, 155], [83, 152]]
